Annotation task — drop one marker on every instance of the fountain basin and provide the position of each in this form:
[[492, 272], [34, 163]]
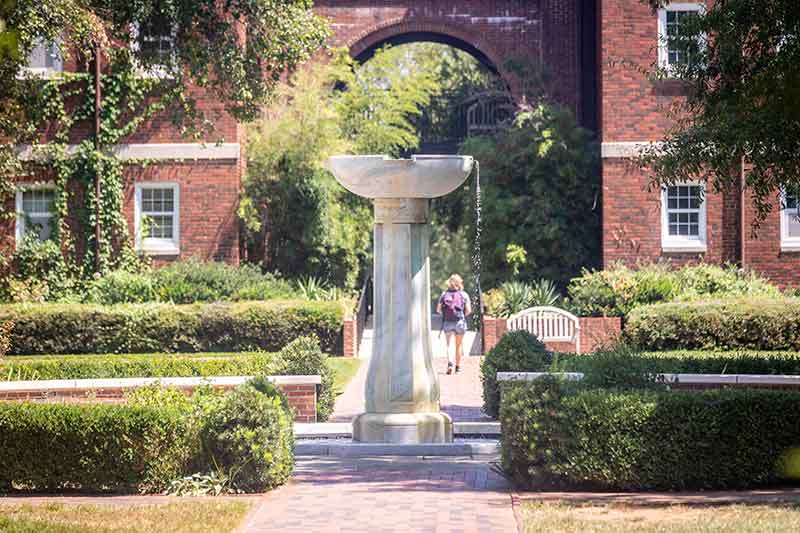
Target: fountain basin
[[379, 176]]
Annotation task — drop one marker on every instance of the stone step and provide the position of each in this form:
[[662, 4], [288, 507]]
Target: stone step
[[484, 449], [344, 430]]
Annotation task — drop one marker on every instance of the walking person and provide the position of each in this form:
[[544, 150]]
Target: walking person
[[455, 307]]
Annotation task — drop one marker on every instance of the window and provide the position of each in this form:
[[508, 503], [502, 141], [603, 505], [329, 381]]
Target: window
[[790, 222], [35, 212], [155, 40], [45, 59], [156, 214], [683, 224], [672, 45]]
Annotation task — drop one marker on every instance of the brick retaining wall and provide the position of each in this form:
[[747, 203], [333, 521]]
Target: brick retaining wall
[[301, 391], [595, 332]]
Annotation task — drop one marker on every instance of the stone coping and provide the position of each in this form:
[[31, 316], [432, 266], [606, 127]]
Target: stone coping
[[705, 379], [130, 383]]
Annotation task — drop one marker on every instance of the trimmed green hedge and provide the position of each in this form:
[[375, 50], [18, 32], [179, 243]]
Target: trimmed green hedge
[[554, 435], [759, 324], [218, 327], [678, 362], [92, 447], [161, 436]]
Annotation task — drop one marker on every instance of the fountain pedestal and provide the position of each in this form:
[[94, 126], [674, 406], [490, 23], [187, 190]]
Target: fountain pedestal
[[402, 389]]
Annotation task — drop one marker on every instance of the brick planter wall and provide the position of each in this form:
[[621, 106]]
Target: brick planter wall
[[301, 391], [595, 332], [350, 337]]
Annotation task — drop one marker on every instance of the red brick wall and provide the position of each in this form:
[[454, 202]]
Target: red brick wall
[[302, 398], [596, 332], [350, 337], [542, 32], [762, 248]]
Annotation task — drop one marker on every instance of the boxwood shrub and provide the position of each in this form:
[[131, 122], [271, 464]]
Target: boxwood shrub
[[161, 436], [758, 324], [554, 435], [222, 327], [517, 351]]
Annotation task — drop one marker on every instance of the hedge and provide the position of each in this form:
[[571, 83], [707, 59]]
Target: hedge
[[91, 447], [683, 362], [217, 327], [727, 439], [139, 366], [246, 435], [759, 324]]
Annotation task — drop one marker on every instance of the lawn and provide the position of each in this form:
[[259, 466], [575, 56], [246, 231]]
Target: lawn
[[344, 369], [211, 516], [599, 518]]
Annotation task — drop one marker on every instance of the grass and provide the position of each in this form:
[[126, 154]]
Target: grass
[[344, 369], [599, 518], [212, 516]]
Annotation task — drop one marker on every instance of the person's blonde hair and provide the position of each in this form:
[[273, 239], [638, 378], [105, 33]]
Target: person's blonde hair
[[455, 282]]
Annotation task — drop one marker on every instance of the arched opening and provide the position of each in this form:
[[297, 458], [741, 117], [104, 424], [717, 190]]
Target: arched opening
[[458, 112]]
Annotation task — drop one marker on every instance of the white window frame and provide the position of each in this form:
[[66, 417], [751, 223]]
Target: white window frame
[[46, 72], [19, 230], [684, 243], [663, 43], [788, 244], [156, 246], [152, 71]]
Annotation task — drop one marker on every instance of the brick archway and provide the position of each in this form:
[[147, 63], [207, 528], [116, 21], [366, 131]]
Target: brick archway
[[401, 31], [557, 38]]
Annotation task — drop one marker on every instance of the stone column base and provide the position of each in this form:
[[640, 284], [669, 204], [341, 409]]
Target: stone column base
[[403, 428]]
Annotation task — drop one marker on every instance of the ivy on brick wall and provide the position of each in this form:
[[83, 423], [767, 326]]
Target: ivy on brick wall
[[234, 55]]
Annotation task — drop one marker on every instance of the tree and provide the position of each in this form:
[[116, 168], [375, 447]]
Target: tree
[[234, 54], [540, 181], [742, 82]]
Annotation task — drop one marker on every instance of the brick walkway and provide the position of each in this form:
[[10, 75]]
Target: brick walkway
[[461, 394], [410, 494]]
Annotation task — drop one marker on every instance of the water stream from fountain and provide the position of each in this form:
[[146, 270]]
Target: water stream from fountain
[[476, 252]]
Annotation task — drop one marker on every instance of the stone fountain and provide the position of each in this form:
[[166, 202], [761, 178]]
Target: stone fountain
[[402, 390]]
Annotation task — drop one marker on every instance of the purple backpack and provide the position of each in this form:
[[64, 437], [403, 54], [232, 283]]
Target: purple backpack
[[452, 306]]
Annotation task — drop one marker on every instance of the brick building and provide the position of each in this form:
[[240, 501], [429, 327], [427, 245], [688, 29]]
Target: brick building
[[582, 47]]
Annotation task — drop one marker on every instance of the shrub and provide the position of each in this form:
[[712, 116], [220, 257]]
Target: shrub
[[608, 363], [646, 440], [618, 367], [92, 447], [517, 351], [303, 356], [121, 287], [193, 281], [39, 273], [5, 337], [759, 324], [617, 290], [244, 326], [515, 296], [142, 366], [248, 435]]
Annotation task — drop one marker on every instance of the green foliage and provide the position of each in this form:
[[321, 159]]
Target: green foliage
[[517, 351], [141, 366], [304, 357], [229, 327], [190, 281], [298, 219], [515, 296], [741, 101], [120, 286], [618, 367], [539, 178], [607, 364], [92, 447], [38, 272], [728, 439], [248, 435], [753, 323], [619, 289], [5, 337]]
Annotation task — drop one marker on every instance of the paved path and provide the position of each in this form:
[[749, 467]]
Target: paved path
[[461, 394], [409, 494]]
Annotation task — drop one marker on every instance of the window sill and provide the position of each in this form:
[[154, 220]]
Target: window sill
[[160, 250], [790, 247], [684, 248], [40, 73]]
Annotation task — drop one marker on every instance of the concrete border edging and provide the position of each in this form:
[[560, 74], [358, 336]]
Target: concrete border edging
[[687, 379]]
